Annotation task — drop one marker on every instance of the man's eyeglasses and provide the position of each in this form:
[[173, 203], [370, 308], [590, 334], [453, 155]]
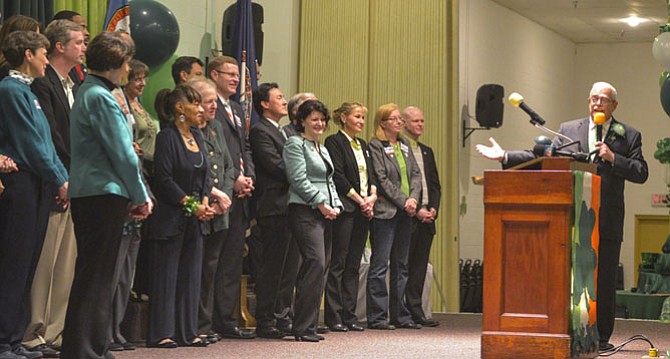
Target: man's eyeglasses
[[231, 74], [600, 99]]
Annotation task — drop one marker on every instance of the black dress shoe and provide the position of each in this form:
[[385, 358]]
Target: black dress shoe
[[47, 351], [307, 338], [129, 346], [237, 333], [170, 344], [286, 327], [270, 333], [21, 351], [427, 322], [338, 328], [605, 346], [322, 329], [321, 337], [382, 326], [115, 347], [355, 327], [408, 325]]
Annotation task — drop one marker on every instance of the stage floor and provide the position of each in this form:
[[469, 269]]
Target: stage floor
[[458, 336]]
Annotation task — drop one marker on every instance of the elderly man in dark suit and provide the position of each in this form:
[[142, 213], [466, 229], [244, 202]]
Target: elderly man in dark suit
[[423, 224], [223, 70], [279, 269], [618, 151], [51, 286]]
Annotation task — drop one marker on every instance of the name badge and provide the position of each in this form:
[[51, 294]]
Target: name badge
[[389, 150], [37, 105], [404, 149], [238, 121]]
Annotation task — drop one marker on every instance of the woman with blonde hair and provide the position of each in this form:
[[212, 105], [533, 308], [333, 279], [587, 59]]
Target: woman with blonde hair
[[398, 180], [355, 186]]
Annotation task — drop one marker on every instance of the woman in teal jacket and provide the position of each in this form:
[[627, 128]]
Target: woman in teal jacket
[[313, 204], [105, 187]]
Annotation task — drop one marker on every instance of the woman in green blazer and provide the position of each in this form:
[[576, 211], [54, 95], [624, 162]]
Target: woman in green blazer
[[313, 204]]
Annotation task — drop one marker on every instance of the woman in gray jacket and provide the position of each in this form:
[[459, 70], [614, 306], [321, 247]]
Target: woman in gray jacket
[[313, 204], [399, 186]]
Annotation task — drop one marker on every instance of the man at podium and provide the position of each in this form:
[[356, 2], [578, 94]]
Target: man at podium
[[618, 154]]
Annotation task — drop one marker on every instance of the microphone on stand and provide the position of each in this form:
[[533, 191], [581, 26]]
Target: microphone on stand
[[517, 100]]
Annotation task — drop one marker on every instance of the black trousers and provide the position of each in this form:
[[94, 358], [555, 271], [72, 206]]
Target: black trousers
[[608, 263], [98, 226], [175, 285], [419, 251], [312, 234], [229, 270], [125, 268], [24, 214], [278, 272], [350, 232]]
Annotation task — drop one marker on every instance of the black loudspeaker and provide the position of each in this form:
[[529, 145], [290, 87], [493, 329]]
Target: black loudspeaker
[[229, 24], [489, 106]]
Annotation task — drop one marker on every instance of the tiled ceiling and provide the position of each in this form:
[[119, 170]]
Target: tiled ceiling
[[590, 21]]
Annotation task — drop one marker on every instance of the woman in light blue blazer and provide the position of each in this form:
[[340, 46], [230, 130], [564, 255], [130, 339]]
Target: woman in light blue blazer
[[313, 204]]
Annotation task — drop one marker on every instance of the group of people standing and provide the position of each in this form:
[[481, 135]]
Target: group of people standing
[[90, 184]]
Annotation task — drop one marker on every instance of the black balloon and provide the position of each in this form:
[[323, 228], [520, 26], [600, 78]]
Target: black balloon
[[155, 31], [665, 95]]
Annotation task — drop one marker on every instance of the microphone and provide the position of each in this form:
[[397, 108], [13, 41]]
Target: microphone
[[599, 119], [517, 100], [541, 150]]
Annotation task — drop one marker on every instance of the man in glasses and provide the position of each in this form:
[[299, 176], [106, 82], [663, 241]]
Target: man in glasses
[[618, 151]]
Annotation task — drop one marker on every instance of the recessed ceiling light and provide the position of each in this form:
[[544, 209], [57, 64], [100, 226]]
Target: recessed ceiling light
[[633, 20]]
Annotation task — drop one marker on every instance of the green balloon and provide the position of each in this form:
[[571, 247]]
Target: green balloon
[[160, 77], [664, 75]]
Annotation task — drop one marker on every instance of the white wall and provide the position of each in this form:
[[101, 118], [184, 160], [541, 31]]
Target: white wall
[[499, 46], [555, 76], [200, 24]]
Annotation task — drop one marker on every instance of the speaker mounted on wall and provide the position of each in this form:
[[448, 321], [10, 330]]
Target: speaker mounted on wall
[[489, 108]]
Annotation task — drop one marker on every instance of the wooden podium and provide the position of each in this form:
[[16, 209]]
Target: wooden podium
[[528, 236]]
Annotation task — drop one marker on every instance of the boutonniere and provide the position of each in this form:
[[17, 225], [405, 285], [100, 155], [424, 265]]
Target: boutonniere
[[617, 130]]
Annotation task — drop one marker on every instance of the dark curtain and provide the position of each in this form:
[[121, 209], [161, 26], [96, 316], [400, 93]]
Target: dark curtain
[[42, 10]]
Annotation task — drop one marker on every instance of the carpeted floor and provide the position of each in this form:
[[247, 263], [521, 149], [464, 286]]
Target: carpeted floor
[[458, 336]]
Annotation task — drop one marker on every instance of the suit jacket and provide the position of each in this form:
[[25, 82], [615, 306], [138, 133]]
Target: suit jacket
[[432, 181], [309, 173], [173, 179], [387, 177], [49, 91], [629, 164], [221, 172], [103, 158], [236, 138], [346, 174], [267, 145], [56, 107]]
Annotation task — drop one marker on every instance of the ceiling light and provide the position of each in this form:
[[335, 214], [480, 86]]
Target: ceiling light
[[633, 20]]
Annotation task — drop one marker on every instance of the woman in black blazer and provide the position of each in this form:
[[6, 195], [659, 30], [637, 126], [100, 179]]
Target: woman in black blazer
[[354, 182], [181, 187]]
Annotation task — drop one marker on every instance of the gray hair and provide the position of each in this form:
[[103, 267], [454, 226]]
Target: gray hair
[[295, 102], [599, 86]]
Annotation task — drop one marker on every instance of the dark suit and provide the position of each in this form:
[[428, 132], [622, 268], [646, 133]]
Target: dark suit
[[350, 232], [422, 236], [630, 165], [275, 283], [227, 279]]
